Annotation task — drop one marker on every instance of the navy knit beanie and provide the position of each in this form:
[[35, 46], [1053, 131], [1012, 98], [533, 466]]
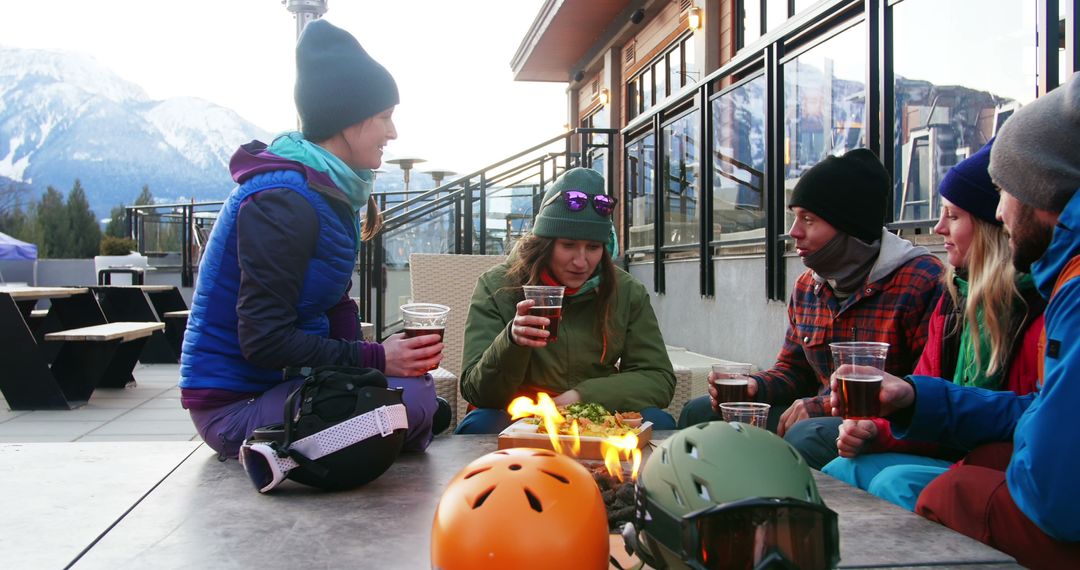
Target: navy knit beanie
[[968, 185], [337, 82], [556, 220], [850, 192]]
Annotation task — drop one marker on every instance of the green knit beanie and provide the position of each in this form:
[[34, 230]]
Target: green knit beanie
[[555, 220]]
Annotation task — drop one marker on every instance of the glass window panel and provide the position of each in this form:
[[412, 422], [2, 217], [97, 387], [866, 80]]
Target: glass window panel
[[738, 119], [646, 89], [690, 66], [751, 23], [598, 120], [675, 70], [681, 175], [775, 14], [660, 72], [824, 95], [801, 5], [640, 169], [960, 68]]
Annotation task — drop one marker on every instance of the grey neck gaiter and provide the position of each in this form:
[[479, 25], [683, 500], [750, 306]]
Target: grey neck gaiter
[[844, 262]]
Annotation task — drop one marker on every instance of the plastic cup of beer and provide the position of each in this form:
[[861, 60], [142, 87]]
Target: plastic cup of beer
[[424, 318], [751, 413], [548, 303], [859, 367], [731, 380]]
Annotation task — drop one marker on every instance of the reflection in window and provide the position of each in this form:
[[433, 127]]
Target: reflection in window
[[660, 72], [646, 90], [824, 96], [681, 176], [775, 14], [675, 77], [676, 68], [640, 168], [961, 68], [738, 119], [751, 24]]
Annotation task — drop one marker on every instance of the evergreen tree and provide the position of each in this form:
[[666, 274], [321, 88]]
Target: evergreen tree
[[53, 224], [145, 197], [117, 226], [85, 233]]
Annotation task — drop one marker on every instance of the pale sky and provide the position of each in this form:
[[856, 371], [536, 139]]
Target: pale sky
[[460, 108]]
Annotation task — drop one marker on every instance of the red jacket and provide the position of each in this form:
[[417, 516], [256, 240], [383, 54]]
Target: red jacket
[[939, 360]]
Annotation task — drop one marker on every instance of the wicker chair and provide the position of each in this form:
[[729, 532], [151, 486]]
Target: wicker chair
[[449, 280]]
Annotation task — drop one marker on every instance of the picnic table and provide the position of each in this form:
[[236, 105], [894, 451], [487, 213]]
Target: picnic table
[[148, 303], [184, 508], [45, 367]]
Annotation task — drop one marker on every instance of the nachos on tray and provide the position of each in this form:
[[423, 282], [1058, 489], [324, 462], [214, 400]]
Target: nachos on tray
[[593, 420]]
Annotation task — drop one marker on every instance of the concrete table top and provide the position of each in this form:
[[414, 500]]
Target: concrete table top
[[60, 497], [206, 514]]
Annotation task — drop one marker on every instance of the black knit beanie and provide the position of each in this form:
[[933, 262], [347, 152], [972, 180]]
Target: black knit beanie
[[850, 192], [556, 220], [337, 82]]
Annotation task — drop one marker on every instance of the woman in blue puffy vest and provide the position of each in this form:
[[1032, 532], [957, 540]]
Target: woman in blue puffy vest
[[274, 280]]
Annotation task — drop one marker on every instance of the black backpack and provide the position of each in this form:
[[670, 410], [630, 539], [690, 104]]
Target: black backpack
[[331, 395]]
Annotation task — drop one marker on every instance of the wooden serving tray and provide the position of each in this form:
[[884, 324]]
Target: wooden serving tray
[[524, 434]]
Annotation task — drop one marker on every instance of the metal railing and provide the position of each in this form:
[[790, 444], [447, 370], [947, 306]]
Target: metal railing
[[480, 212]]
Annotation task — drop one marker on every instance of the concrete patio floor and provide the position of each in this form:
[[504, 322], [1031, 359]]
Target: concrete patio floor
[[149, 411]]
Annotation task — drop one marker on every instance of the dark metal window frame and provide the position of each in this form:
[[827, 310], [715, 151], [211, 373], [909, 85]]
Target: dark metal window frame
[[803, 32]]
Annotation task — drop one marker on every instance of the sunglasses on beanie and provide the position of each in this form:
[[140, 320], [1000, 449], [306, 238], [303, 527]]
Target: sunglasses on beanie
[[576, 200]]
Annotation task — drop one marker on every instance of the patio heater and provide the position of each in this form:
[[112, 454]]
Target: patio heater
[[406, 164], [438, 175], [305, 11]]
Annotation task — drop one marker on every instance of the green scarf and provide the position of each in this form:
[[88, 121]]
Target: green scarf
[[355, 183], [968, 373]]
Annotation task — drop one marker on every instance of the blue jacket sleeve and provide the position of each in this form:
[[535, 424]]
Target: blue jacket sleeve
[[1046, 457], [962, 417]]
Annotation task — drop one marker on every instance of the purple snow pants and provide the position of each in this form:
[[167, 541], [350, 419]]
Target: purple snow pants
[[224, 429]]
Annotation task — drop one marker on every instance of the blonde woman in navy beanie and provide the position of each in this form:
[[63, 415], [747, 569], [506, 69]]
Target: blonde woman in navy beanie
[[984, 332], [272, 291], [609, 349]]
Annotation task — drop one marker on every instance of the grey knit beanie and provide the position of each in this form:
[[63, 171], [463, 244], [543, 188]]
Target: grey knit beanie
[[555, 220], [337, 82], [1036, 156]]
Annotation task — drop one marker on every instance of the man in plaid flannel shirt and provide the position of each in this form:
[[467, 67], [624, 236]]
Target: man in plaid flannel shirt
[[862, 284]]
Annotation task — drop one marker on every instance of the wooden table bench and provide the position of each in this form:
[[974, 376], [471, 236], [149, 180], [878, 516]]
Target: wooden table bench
[[101, 356], [147, 303]]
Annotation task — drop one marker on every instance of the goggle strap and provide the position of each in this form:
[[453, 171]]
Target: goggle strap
[[381, 421]]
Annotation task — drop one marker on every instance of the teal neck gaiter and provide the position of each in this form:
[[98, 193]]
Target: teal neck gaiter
[[355, 183]]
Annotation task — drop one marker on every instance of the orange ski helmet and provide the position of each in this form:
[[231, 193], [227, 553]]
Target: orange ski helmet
[[520, 508]]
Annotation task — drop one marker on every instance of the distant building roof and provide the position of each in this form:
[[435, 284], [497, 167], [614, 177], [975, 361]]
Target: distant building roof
[[562, 33]]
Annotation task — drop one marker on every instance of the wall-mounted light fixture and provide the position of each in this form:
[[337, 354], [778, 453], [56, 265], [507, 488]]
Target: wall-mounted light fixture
[[604, 96], [693, 18]]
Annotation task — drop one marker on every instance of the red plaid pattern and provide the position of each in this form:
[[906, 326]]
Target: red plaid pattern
[[895, 310]]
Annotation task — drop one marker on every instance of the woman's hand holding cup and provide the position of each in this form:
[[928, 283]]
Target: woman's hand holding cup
[[528, 330]]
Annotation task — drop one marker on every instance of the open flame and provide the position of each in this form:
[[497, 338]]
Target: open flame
[[611, 447], [628, 446]]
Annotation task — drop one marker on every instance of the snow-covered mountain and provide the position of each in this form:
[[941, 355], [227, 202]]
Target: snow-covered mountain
[[64, 116]]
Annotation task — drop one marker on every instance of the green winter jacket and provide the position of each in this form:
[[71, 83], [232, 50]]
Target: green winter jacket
[[495, 369]]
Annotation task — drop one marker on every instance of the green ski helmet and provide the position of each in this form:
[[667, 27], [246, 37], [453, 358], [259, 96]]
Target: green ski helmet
[[730, 495]]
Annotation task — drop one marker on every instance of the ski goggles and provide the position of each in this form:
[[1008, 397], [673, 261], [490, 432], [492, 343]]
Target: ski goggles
[[268, 462], [576, 200], [757, 534]]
